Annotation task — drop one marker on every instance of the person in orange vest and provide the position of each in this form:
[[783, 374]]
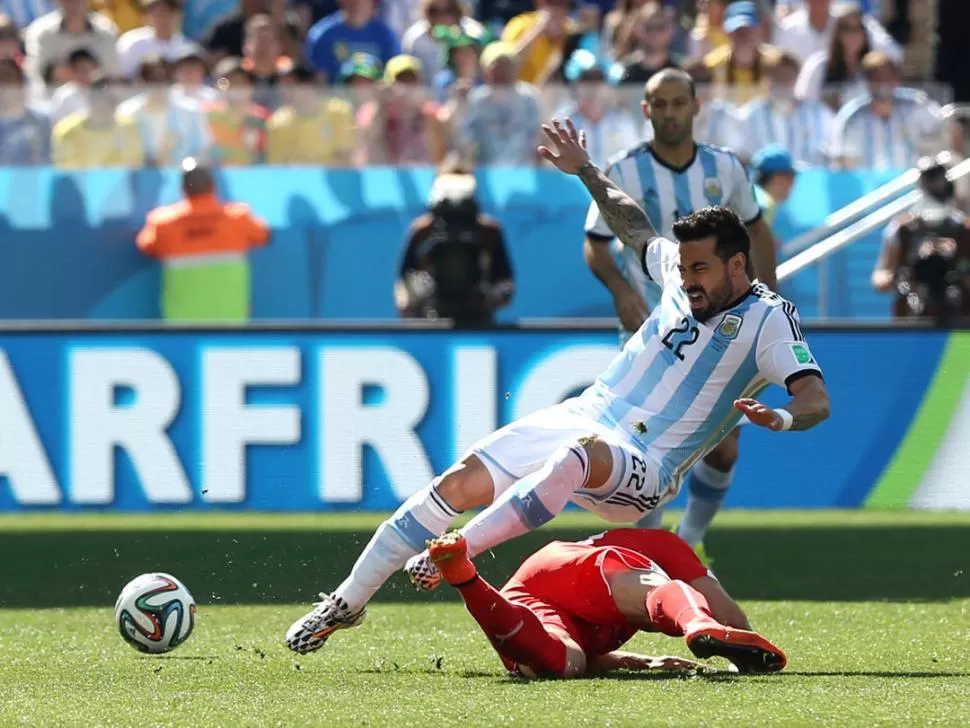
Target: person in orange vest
[[202, 244]]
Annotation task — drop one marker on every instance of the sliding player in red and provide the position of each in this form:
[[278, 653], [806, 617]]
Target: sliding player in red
[[570, 606]]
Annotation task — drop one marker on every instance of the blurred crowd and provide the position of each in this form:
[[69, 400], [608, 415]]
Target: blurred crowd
[[100, 83]]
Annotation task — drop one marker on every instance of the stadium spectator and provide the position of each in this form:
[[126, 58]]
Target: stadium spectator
[[10, 44], [227, 37], [310, 128], [835, 75], [775, 172], [463, 70], [361, 74], [238, 124], [501, 123], [809, 30], [172, 126], [495, 14], [262, 58], [609, 128], [925, 256], [188, 74], [355, 29], [802, 127], [73, 95], [160, 36], [738, 69], [428, 44], [616, 39], [455, 264], [888, 127], [203, 244], [73, 26], [125, 14], [708, 32], [541, 40], [24, 131], [97, 137], [24, 12], [401, 126], [651, 34]]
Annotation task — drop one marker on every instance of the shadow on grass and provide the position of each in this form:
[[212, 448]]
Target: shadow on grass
[[88, 568], [887, 675]]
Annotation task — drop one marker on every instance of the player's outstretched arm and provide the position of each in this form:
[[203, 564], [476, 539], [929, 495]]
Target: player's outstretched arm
[[625, 218], [808, 407], [619, 660]]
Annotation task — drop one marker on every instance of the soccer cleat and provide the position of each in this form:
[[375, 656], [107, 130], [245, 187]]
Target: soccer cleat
[[450, 554], [422, 572], [748, 651], [314, 628]]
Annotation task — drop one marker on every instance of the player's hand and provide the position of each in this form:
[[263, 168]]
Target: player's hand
[[759, 414], [567, 146], [676, 664], [631, 308]]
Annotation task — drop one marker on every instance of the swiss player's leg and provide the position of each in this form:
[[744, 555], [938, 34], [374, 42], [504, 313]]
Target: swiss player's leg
[[649, 599], [707, 485], [518, 635]]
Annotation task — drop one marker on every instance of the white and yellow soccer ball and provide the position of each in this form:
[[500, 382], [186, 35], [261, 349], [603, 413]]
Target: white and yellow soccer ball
[[155, 613]]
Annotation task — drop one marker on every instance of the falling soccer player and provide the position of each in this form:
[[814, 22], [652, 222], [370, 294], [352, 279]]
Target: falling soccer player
[[570, 606], [622, 447]]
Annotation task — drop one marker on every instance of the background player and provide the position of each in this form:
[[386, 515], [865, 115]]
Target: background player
[[622, 447], [670, 177], [570, 606]]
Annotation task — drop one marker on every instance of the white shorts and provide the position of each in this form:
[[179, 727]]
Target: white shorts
[[523, 447]]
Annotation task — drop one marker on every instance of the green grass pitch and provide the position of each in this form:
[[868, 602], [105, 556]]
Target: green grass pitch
[[872, 608]]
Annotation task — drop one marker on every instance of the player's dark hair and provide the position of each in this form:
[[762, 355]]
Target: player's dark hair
[[669, 75], [720, 223]]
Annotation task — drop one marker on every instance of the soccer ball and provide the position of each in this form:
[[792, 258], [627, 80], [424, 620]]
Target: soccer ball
[[155, 613]]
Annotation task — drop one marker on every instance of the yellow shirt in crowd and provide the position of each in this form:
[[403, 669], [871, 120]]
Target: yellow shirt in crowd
[[77, 145], [126, 14], [744, 83], [327, 137], [540, 55]]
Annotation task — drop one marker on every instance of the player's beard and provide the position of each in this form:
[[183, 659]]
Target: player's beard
[[673, 137], [717, 300]]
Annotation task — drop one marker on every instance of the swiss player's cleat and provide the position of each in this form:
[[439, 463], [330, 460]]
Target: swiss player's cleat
[[450, 554], [314, 628], [422, 572], [748, 651]]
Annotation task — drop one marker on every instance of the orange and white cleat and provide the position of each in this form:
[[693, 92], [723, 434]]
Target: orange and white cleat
[[311, 631], [748, 651], [450, 554]]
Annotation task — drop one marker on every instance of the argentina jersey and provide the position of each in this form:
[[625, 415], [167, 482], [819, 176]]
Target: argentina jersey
[[863, 139], [672, 388], [804, 129], [714, 176]]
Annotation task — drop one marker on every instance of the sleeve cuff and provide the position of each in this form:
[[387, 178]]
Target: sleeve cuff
[[643, 263], [595, 237], [801, 374]]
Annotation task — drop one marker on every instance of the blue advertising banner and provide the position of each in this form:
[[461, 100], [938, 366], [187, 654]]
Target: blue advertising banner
[[67, 241], [329, 420]]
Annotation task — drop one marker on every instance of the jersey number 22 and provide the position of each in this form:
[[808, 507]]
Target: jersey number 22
[[680, 336]]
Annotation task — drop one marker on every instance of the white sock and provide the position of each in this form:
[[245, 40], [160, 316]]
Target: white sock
[[706, 489], [533, 501], [423, 516]]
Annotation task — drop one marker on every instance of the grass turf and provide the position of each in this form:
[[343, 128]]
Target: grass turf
[[873, 609]]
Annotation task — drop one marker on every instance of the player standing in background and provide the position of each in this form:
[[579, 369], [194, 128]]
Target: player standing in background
[[569, 607], [669, 178], [623, 446]]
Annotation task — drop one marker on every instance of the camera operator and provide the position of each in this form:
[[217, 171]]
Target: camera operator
[[455, 263], [925, 257]]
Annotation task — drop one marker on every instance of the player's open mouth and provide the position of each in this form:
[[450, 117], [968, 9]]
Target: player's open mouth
[[696, 299]]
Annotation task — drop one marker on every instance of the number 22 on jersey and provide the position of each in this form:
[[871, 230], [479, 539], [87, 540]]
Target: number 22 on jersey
[[683, 335]]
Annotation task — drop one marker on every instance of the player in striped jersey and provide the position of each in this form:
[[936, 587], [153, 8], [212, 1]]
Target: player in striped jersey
[[622, 447], [887, 128], [670, 177]]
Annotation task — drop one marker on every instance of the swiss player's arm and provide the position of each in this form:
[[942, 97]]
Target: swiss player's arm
[[784, 358], [624, 217], [619, 660]]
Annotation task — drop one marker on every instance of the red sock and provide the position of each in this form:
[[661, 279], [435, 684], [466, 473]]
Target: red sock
[[513, 629], [675, 606]]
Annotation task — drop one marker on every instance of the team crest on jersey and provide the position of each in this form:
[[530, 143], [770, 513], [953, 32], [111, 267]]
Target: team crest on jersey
[[730, 326], [713, 189]]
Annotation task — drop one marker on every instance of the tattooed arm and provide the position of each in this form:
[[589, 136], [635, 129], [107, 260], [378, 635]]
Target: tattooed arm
[[626, 219]]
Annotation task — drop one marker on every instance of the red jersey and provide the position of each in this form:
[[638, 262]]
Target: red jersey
[[565, 585]]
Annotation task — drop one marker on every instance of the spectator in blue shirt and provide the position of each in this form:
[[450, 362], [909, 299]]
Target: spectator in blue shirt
[[355, 29], [24, 133]]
